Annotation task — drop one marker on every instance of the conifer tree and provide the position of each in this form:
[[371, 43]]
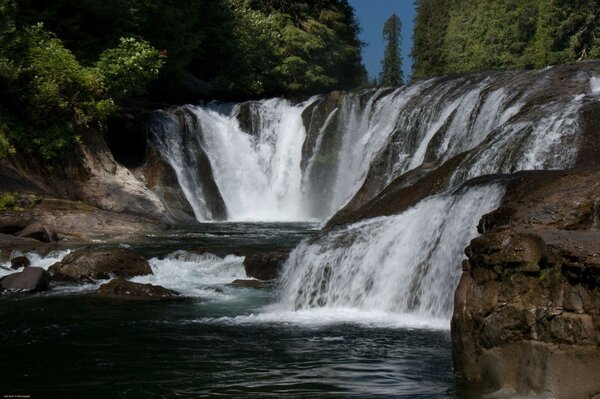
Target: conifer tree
[[391, 74]]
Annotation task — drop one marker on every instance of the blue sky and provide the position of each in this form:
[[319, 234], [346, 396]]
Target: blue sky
[[371, 15]]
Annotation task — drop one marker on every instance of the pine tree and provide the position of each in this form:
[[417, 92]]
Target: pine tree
[[391, 74]]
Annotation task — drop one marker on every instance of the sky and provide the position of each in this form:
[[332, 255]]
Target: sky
[[371, 15]]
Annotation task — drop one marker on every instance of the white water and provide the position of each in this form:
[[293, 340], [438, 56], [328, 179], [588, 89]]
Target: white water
[[35, 259], [402, 267], [595, 85], [258, 175], [195, 275], [512, 121]]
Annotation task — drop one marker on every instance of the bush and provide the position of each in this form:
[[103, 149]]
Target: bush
[[128, 68]]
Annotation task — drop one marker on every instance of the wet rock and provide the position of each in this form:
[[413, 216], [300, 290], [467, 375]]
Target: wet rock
[[249, 283], [19, 262], [161, 178], [526, 308], [119, 288], [265, 265], [31, 279], [100, 263], [39, 232]]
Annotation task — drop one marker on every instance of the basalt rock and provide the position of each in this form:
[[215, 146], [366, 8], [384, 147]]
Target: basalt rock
[[99, 263], [19, 262], [265, 265], [31, 279], [249, 283], [119, 288], [527, 308], [39, 232]]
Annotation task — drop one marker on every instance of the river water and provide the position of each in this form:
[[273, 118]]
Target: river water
[[221, 340]]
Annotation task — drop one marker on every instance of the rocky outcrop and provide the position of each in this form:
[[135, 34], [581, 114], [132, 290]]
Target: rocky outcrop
[[108, 185], [73, 221], [527, 308], [38, 231], [265, 265], [118, 288], [31, 279], [160, 177], [99, 263]]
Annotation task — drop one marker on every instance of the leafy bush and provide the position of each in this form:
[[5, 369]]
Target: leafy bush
[[128, 68], [47, 96]]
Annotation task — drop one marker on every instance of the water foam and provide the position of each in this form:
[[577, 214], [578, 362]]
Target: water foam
[[195, 275], [319, 317]]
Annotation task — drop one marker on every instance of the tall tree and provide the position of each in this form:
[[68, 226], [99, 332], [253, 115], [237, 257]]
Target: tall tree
[[391, 74]]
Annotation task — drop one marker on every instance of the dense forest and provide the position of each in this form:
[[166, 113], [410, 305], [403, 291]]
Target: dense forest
[[453, 36], [67, 64]]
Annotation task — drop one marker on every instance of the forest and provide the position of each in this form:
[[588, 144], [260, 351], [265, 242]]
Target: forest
[[455, 36], [67, 65]]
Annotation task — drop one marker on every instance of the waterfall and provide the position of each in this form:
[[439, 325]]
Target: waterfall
[[282, 161], [255, 167], [409, 264], [403, 264]]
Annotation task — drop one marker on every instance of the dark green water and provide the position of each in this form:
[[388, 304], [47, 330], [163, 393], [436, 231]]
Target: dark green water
[[66, 344]]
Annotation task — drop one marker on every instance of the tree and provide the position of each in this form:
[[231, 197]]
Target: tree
[[391, 74]]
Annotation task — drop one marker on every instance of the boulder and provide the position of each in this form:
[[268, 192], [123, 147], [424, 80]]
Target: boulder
[[100, 263], [39, 232], [527, 307], [31, 279], [119, 288], [265, 265], [249, 283], [19, 262]]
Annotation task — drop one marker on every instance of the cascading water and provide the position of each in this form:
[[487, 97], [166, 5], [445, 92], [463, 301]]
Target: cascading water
[[256, 170], [275, 160], [407, 264]]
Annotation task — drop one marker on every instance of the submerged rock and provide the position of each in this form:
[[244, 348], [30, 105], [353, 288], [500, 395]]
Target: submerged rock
[[119, 288], [31, 279], [249, 283], [527, 308], [100, 263]]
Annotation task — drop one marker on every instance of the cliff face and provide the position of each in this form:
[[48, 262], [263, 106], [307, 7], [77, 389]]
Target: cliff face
[[527, 308]]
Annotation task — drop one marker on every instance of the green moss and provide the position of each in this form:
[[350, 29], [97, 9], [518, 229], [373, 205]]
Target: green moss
[[17, 202]]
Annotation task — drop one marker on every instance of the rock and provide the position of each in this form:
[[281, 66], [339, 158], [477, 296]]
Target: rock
[[31, 279], [118, 288], [265, 265], [39, 232], [161, 178], [249, 283], [19, 262], [100, 263], [526, 311]]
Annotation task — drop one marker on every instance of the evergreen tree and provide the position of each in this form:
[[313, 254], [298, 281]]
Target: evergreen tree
[[454, 36], [391, 74]]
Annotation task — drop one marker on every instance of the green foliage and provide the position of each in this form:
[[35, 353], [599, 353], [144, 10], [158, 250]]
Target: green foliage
[[128, 68], [8, 201], [453, 36], [290, 48], [17, 201], [391, 73], [66, 65]]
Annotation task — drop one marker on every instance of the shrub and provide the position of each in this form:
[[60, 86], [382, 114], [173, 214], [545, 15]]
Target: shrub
[[128, 68]]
